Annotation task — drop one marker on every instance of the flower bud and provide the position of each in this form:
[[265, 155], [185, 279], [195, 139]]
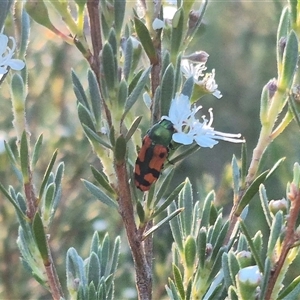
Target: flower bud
[[244, 258], [277, 205], [198, 56], [193, 18], [248, 280]]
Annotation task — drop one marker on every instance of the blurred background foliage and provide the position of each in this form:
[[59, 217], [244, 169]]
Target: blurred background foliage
[[240, 37]]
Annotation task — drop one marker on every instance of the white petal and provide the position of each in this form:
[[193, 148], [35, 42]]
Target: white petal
[[3, 70], [158, 24], [3, 43], [182, 138], [16, 64], [205, 141]]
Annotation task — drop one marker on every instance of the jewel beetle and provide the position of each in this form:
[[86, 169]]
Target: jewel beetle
[[153, 153]]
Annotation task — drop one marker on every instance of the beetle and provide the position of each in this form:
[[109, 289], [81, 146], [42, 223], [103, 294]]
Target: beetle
[[152, 155]]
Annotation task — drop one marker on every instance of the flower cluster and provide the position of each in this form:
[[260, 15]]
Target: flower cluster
[[189, 128], [206, 81], [6, 54]]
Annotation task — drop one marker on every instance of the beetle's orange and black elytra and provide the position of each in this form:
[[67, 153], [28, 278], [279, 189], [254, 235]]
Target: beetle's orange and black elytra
[[152, 155]]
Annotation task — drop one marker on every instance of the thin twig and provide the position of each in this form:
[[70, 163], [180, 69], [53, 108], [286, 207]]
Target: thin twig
[[142, 268], [289, 239]]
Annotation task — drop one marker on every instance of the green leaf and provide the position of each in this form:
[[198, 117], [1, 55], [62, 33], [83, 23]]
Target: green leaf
[[220, 239], [85, 117], [235, 176], [40, 238], [122, 93], [188, 86], [12, 201], [37, 150], [102, 180], [282, 32], [225, 268], [190, 251], [291, 291], [115, 255], [25, 31], [254, 250], [134, 126], [119, 10], [244, 164], [168, 201], [4, 10], [290, 60], [186, 198], [93, 269], [109, 66], [120, 150], [265, 279], [159, 224], [133, 97], [176, 228], [163, 184], [128, 58], [206, 209], [95, 96], [140, 211], [79, 91], [167, 90], [50, 192], [177, 78], [99, 194], [275, 233], [177, 33], [250, 192], [233, 266], [105, 253], [47, 174], [92, 294], [265, 204], [74, 269], [93, 136], [178, 281], [24, 157], [10, 153], [145, 39], [202, 242]]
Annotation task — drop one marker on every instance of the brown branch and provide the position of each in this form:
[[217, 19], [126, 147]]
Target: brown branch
[[54, 284], [142, 268], [94, 60], [289, 239]]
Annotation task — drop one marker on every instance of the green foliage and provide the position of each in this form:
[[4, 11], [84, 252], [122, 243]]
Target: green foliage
[[121, 56]]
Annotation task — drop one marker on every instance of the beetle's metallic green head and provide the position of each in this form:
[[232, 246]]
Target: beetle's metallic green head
[[161, 133]]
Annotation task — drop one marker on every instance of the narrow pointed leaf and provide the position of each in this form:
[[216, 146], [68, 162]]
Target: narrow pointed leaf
[[250, 192], [37, 150], [40, 238], [108, 66], [134, 95], [159, 224], [99, 194], [79, 91], [275, 233], [85, 117], [47, 174], [102, 179], [95, 96], [93, 136], [24, 157], [134, 126], [167, 88], [178, 281], [144, 36]]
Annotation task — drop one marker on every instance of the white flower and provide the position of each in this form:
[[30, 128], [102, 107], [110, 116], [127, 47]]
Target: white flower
[[189, 129], [206, 81], [193, 70], [158, 24], [250, 275], [6, 55]]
